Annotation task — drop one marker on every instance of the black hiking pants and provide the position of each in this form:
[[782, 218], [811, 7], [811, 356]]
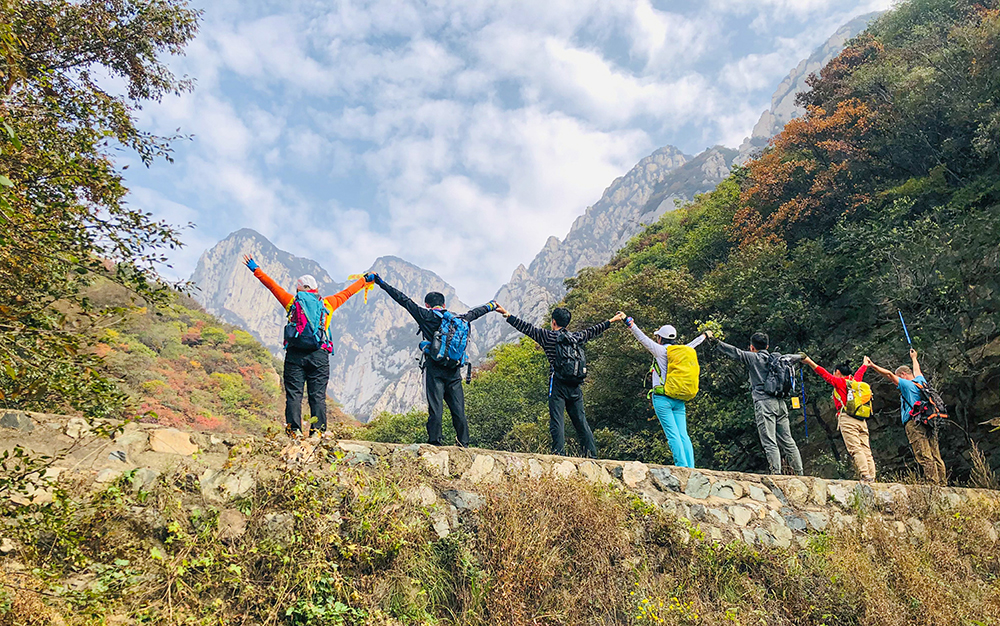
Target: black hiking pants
[[444, 384], [302, 369], [569, 398]]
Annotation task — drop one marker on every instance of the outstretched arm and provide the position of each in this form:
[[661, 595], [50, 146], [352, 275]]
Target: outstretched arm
[[401, 298], [480, 311], [881, 370], [733, 352], [916, 365], [524, 327], [597, 330], [654, 348], [341, 297], [283, 296]]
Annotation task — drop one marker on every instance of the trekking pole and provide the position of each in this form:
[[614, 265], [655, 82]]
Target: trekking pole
[[802, 383], [906, 332]]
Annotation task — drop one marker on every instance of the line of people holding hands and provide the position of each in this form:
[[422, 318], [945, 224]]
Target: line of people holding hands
[[674, 372]]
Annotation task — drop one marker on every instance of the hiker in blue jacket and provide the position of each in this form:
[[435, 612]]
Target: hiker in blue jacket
[[442, 382]]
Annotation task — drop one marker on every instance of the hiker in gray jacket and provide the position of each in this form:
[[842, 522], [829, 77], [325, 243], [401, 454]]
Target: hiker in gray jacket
[[770, 413]]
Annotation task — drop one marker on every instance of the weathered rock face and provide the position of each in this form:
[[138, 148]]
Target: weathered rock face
[[783, 107], [374, 365]]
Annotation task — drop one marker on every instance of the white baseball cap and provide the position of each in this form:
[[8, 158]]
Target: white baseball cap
[[307, 282], [667, 332]]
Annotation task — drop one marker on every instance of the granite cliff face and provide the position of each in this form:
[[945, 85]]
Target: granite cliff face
[[783, 107], [632, 201], [374, 366]]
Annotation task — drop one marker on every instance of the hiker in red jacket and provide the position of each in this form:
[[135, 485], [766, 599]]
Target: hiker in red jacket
[[853, 428], [307, 343]]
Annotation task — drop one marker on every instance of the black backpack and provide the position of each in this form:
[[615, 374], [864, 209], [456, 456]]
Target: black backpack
[[571, 361], [930, 409], [780, 379]]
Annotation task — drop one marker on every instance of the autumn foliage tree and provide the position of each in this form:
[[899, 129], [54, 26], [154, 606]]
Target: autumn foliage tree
[[64, 212]]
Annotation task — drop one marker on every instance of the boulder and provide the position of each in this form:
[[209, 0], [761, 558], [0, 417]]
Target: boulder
[[634, 473], [741, 515], [171, 441], [664, 479], [464, 500], [757, 492], [143, 479], [232, 524], [221, 486], [77, 427], [698, 486], [436, 461], [108, 475], [421, 495], [564, 469], [17, 420], [594, 473], [796, 492], [727, 490], [481, 470]]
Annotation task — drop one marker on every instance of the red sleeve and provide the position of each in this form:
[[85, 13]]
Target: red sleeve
[[283, 296], [827, 376], [333, 302], [858, 375]]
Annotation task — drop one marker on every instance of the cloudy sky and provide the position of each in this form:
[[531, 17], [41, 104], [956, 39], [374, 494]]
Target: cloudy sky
[[456, 134]]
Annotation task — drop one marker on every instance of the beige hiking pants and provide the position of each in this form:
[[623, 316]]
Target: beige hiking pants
[[926, 450], [855, 433]]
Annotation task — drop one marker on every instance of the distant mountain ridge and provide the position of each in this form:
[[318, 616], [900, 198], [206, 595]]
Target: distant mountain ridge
[[375, 365]]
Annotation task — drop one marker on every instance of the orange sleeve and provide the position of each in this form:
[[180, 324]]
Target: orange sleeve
[[333, 302], [283, 296]]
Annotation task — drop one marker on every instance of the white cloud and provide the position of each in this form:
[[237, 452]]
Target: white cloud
[[458, 134]]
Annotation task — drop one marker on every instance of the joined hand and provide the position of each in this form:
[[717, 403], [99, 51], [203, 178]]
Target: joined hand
[[619, 316]]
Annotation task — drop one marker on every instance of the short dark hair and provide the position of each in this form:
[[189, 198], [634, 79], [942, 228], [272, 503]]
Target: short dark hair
[[434, 298], [760, 341], [561, 316], [844, 369]]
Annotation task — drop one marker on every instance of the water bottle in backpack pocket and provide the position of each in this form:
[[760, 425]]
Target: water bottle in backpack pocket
[[859, 399], [307, 323], [447, 346], [571, 361]]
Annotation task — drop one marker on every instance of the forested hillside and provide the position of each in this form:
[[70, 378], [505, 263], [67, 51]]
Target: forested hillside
[[885, 197]]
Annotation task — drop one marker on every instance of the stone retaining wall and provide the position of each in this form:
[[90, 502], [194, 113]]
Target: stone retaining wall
[[770, 510]]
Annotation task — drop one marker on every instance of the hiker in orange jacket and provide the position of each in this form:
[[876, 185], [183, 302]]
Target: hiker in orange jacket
[[307, 343]]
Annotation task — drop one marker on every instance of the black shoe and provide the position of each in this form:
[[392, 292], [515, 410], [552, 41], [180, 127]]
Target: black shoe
[[435, 443], [460, 444]]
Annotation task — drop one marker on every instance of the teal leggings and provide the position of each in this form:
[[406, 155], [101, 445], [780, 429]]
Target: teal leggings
[[673, 418]]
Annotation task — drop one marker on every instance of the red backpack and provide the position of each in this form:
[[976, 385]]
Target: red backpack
[[930, 409]]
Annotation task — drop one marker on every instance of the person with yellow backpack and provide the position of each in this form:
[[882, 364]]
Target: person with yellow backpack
[[853, 400], [675, 372]]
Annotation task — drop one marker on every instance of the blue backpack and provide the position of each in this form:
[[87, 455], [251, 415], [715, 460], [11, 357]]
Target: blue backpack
[[449, 342], [307, 319]]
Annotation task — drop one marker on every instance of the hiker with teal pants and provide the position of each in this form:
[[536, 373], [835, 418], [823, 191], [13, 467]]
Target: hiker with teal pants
[[675, 372]]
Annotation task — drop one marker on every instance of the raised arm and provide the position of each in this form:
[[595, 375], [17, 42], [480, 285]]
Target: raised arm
[[881, 370], [341, 297], [916, 365], [819, 369], [654, 348], [283, 296], [401, 298], [480, 311], [700, 339]]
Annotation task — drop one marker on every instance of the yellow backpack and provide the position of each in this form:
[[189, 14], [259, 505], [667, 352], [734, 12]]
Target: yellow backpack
[[682, 373], [859, 399]]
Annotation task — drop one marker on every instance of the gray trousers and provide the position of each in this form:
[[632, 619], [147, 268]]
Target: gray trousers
[[771, 415]]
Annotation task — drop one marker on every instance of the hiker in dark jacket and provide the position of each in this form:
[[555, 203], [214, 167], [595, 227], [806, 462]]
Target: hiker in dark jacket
[[563, 394], [443, 384], [770, 413]]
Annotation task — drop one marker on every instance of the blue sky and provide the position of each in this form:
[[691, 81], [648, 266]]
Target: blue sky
[[456, 134]]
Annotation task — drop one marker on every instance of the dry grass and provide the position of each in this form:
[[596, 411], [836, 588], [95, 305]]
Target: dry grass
[[547, 552]]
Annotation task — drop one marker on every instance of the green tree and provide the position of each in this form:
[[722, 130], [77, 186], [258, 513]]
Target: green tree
[[64, 215]]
